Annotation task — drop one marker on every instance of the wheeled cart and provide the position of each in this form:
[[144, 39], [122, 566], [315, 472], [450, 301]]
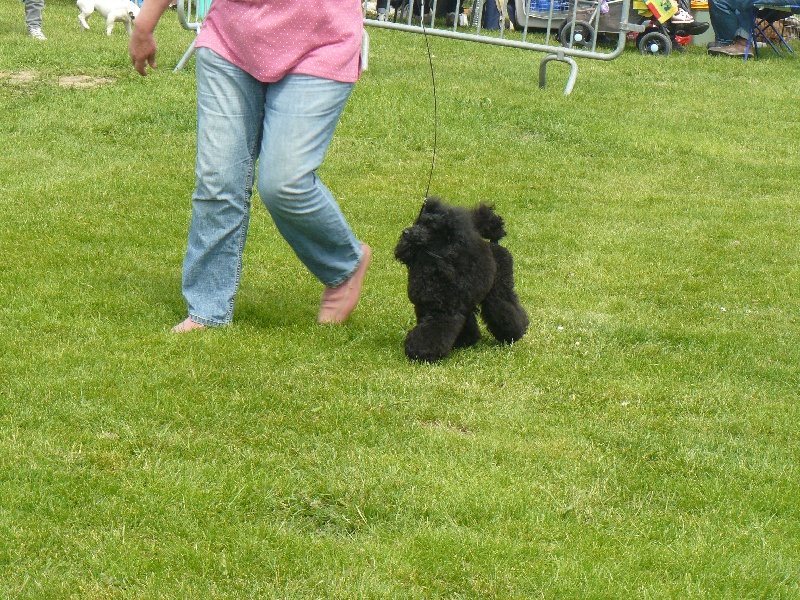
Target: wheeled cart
[[587, 19]]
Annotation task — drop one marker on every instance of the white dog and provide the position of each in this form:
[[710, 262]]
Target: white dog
[[123, 11]]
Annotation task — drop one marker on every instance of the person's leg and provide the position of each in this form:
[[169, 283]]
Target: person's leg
[[301, 114], [729, 18], [230, 110], [33, 17], [745, 15]]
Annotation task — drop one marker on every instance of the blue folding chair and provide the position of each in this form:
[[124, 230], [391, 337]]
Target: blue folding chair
[[764, 17]]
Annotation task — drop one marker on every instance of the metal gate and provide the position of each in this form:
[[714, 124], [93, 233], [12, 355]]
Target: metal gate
[[553, 27]]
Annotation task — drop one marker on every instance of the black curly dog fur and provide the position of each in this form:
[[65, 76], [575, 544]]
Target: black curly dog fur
[[453, 270]]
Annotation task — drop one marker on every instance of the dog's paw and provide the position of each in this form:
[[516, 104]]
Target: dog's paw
[[434, 336]]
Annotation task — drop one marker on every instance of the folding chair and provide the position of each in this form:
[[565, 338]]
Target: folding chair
[[190, 14], [764, 17]]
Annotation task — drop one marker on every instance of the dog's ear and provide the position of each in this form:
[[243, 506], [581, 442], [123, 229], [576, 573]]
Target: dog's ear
[[489, 224]]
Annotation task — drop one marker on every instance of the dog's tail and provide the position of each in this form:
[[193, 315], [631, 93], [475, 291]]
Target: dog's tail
[[489, 224]]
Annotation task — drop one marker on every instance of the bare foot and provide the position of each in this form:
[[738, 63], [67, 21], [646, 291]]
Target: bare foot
[[187, 325]]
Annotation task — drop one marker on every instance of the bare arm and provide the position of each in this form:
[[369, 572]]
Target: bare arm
[[142, 45]]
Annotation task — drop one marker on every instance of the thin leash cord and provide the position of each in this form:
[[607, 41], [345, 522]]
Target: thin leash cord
[[435, 102]]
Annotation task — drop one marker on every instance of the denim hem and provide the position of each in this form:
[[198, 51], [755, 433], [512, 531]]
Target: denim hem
[[207, 322], [351, 273]]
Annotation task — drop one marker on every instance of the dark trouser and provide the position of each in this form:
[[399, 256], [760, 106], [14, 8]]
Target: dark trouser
[[442, 6]]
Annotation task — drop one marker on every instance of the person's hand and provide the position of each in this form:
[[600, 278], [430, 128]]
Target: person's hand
[[142, 49], [142, 45]]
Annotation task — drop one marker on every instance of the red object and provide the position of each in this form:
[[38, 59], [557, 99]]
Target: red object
[[683, 40]]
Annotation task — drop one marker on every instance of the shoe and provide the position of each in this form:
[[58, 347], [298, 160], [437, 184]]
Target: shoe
[[737, 48], [338, 302], [732, 50], [682, 17], [695, 28], [36, 33]]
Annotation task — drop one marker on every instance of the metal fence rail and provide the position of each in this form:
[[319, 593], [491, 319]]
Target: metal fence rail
[[544, 25]]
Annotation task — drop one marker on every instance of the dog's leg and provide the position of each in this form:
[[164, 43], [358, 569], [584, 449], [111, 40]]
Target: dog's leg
[[109, 24], [128, 27], [470, 333], [501, 310], [82, 20], [434, 336], [505, 318]]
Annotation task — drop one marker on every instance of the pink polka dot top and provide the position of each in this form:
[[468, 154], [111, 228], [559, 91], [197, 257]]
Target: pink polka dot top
[[273, 38]]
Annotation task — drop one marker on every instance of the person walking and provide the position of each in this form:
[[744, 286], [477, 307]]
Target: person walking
[[273, 77], [33, 18]]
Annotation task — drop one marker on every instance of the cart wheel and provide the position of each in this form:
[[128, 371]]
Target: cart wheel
[[654, 42], [582, 35]]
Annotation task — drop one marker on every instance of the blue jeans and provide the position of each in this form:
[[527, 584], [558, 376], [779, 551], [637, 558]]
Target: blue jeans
[[284, 128], [731, 18]]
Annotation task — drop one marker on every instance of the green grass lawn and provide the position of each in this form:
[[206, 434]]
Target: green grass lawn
[[642, 441]]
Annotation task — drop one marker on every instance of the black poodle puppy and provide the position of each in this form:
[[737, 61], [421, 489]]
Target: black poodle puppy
[[452, 271]]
